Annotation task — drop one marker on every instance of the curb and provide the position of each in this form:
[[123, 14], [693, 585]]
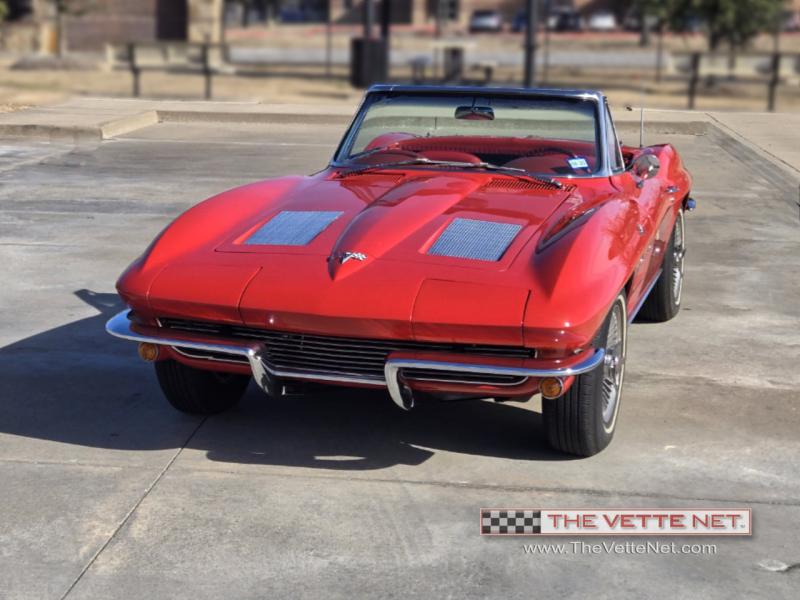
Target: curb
[[193, 116], [52, 133], [129, 124], [664, 127], [728, 131]]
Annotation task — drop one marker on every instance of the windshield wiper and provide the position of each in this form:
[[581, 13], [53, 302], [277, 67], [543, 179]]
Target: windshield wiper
[[455, 164]]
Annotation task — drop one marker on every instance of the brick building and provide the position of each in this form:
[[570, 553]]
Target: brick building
[[123, 20], [97, 22]]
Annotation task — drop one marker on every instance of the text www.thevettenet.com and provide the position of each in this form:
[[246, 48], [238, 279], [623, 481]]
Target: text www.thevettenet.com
[[620, 548]]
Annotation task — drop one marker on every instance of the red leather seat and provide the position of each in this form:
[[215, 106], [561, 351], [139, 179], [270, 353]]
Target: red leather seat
[[551, 163]]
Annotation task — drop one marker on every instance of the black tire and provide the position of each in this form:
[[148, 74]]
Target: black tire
[[664, 300], [199, 392], [582, 422]]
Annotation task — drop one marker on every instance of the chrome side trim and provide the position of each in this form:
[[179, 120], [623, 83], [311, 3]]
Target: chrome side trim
[[639, 304], [405, 401]]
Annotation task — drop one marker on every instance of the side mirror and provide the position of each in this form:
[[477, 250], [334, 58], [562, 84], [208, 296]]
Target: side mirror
[[645, 167]]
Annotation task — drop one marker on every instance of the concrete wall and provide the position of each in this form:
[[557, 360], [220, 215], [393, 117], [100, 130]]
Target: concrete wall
[[205, 20], [113, 21]]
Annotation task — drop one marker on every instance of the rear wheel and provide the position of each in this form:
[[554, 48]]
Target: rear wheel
[[664, 300], [199, 392], [583, 420]]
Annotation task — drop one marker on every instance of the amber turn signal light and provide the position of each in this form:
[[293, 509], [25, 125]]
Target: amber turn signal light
[[551, 387], [148, 352]]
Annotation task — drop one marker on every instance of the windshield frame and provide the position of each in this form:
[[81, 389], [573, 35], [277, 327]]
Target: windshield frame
[[380, 91]]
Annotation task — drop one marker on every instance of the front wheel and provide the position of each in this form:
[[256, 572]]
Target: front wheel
[[583, 420], [199, 392]]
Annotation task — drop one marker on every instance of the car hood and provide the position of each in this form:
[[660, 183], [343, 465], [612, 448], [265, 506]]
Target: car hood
[[385, 254], [399, 217]]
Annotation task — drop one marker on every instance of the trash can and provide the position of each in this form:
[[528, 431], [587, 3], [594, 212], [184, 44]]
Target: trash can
[[368, 62]]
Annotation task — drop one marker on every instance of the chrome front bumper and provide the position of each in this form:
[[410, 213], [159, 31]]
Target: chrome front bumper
[[266, 374]]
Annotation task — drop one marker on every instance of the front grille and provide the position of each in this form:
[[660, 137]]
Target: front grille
[[333, 355]]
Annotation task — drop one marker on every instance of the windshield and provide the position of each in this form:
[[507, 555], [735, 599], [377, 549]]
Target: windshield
[[547, 136]]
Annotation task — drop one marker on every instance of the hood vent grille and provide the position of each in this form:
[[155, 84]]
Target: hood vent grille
[[476, 240], [383, 177], [507, 183], [293, 228]]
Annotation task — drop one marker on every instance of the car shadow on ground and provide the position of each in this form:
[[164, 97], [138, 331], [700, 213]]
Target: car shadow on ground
[[75, 384]]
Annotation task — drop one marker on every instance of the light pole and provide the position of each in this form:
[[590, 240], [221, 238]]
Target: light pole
[[328, 40], [441, 17], [369, 18], [530, 43], [386, 32], [548, 9]]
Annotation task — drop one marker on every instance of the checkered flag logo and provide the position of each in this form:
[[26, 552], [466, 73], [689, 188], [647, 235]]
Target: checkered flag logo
[[511, 522]]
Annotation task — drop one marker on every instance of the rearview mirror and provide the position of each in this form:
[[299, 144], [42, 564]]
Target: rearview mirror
[[475, 113], [645, 167]]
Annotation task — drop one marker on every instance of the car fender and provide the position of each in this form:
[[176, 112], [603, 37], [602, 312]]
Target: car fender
[[206, 223], [578, 276]]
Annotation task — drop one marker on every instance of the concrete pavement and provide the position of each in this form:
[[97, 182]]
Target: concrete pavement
[[107, 492]]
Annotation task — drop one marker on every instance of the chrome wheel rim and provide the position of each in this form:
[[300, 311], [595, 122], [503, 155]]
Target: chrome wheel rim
[[613, 366], [678, 252]]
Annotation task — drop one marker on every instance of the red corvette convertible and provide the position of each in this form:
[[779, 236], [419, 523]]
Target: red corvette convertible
[[463, 243]]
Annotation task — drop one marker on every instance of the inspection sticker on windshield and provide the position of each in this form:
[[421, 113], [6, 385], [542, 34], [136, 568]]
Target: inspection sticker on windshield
[[578, 163]]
